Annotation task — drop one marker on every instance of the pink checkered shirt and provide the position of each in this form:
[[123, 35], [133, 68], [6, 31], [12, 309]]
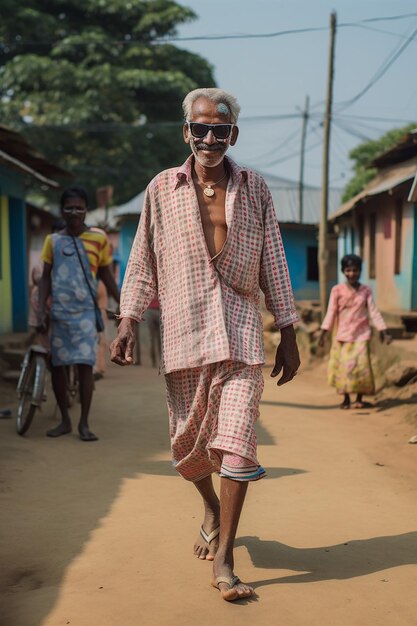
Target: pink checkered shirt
[[209, 307]]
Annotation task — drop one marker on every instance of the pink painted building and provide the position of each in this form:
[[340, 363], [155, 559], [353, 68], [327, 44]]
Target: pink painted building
[[380, 224]]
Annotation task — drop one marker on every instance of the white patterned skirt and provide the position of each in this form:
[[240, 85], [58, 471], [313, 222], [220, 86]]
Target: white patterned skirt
[[74, 339]]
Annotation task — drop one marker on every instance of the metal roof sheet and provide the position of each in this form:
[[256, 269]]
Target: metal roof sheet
[[133, 207], [385, 180], [413, 191], [102, 218], [285, 197], [19, 154]]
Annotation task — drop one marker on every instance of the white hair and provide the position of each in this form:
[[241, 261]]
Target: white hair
[[216, 95]]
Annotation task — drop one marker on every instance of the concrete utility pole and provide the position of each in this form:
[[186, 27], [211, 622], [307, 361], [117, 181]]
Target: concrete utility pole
[[303, 146], [323, 252]]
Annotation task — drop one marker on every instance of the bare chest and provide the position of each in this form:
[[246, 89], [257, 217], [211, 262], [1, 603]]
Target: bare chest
[[213, 219]]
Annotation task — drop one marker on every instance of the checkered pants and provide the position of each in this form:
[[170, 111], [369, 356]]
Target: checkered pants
[[212, 412]]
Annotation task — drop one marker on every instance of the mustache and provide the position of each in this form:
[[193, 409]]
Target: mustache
[[209, 147]]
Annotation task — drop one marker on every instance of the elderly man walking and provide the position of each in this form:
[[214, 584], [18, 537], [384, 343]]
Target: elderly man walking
[[207, 240]]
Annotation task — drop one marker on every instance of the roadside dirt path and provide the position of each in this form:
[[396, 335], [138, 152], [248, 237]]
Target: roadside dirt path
[[101, 534]]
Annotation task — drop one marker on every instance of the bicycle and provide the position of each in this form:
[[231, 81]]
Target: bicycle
[[31, 386]]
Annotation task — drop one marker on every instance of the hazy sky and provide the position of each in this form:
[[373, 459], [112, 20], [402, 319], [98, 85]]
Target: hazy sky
[[273, 76]]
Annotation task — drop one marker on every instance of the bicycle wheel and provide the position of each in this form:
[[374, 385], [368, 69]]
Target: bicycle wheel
[[26, 409]]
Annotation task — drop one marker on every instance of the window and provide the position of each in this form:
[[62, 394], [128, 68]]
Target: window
[[398, 235], [312, 263], [1, 238], [361, 235], [352, 240], [372, 245]]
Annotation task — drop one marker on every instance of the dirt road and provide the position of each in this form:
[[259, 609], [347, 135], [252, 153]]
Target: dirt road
[[101, 534]]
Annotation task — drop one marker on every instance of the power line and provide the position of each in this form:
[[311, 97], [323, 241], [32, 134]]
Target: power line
[[384, 19], [103, 126], [382, 31], [376, 119], [294, 31], [340, 152], [281, 33], [292, 155], [318, 116], [389, 61], [269, 118], [339, 148], [130, 41], [358, 125], [278, 148], [351, 131]]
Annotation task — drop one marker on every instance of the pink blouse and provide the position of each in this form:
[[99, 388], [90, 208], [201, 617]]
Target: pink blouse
[[352, 310]]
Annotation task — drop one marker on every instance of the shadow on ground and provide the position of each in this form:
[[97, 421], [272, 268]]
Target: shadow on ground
[[315, 407], [55, 492], [389, 403], [339, 562]]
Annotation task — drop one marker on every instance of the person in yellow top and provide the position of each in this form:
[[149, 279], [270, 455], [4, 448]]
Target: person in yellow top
[[73, 259]]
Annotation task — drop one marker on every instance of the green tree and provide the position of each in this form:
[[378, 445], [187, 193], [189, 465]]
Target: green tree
[[364, 154], [89, 84]]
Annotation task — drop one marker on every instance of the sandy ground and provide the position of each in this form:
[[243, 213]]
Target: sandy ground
[[102, 533]]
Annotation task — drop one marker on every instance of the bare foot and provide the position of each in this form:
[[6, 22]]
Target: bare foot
[[61, 429], [229, 585], [86, 434], [207, 542]]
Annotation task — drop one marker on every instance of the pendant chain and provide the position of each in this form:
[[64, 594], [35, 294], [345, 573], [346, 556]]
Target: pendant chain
[[208, 189]]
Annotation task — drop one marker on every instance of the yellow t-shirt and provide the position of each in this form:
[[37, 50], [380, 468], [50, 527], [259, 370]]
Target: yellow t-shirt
[[96, 245]]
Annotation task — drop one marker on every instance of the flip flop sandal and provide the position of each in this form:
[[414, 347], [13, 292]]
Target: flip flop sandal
[[363, 405], [209, 538], [228, 594]]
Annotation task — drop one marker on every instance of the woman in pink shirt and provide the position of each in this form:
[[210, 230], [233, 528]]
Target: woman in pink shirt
[[352, 308]]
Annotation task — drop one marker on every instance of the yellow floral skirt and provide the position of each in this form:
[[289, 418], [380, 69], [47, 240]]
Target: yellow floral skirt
[[350, 368]]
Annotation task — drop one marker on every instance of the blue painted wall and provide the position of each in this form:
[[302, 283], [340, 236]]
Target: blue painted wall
[[348, 243], [18, 257], [414, 266], [11, 183], [13, 284], [296, 241], [6, 323], [127, 234]]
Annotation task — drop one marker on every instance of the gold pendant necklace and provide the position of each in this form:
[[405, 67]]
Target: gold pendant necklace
[[208, 189]]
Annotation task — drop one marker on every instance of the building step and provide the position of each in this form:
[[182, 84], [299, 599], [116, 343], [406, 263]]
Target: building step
[[13, 357], [11, 376], [15, 341], [398, 332], [410, 322]]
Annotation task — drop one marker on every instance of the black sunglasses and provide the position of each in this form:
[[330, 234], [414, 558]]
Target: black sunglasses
[[220, 131]]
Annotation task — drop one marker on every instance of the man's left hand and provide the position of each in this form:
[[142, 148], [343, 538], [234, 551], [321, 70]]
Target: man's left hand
[[287, 357]]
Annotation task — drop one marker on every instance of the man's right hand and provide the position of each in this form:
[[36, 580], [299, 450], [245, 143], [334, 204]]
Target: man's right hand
[[121, 349]]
